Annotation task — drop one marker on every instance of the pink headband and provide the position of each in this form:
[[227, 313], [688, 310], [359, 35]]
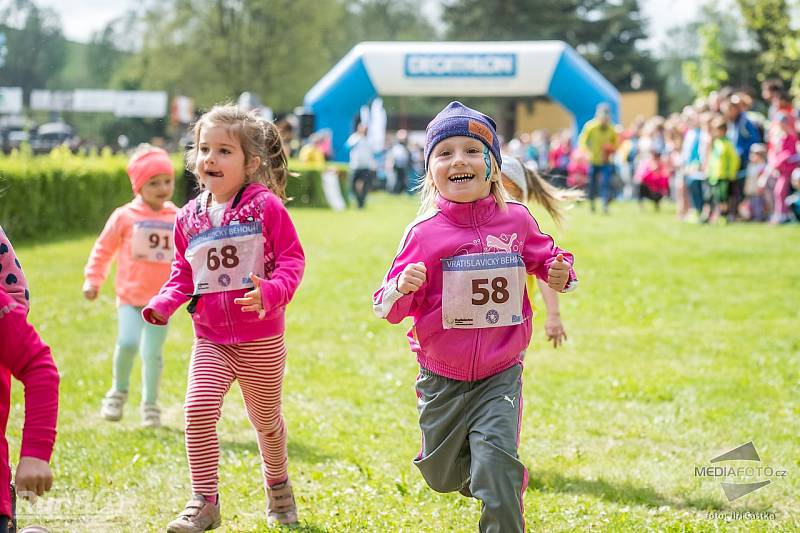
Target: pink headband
[[148, 165]]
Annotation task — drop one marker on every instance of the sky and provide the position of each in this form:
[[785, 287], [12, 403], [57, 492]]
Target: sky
[[80, 18]]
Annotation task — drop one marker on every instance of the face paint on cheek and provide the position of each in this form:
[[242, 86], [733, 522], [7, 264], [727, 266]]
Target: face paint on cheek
[[488, 162]]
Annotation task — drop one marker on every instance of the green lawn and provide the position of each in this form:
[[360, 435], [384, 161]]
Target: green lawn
[[683, 343]]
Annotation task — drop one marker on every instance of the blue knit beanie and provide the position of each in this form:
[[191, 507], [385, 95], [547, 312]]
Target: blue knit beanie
[[459, 120]]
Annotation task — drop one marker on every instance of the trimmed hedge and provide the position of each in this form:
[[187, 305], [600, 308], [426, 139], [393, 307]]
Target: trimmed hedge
[[46, 196]]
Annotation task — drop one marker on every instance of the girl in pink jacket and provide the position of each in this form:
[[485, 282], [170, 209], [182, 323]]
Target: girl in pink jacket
[[460, 274], [24, 356], [238, 261], [781, 161], [139, 235]]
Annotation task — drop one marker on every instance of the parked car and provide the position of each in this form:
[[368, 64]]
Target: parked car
[[53, 134], [13, 138]]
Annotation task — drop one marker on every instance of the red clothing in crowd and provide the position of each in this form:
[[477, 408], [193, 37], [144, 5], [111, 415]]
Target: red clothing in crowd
[[655, 176]]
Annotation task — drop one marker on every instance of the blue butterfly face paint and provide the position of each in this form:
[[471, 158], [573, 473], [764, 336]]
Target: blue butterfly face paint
[[488, 161]]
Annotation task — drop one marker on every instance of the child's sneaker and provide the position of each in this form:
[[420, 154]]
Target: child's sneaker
[[281, 508], [113, 402], [151, 415], [198, 515]]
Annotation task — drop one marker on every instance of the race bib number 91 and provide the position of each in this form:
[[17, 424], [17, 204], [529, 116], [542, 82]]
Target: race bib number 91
[[482, 290], [223, 258], [152, 241]]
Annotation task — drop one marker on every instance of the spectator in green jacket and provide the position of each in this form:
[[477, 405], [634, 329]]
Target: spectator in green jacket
[[723, 164]]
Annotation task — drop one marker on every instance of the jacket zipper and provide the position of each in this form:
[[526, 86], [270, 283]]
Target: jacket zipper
[[227, 318], [478, 332]]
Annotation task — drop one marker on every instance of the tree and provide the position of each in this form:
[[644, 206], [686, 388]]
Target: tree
[[770, 22], [214, 50], [109, 47], [482, 20], [387, 20], [608, 38], [604, 32], [35, 45], [708, 72], [683, 44]]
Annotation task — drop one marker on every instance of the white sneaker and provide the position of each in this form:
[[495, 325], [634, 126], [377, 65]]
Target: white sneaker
[[113, 402], [151, 415]]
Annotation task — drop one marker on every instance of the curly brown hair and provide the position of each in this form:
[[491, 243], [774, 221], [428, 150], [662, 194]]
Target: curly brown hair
[[258, 138]]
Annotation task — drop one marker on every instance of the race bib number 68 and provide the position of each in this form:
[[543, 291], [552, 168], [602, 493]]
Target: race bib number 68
[[223, 258], [482, 290]]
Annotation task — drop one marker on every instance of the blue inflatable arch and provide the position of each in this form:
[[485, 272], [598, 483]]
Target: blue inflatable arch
[[525, 68]]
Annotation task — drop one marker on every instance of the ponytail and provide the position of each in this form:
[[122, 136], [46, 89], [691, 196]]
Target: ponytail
[[274, 161], [551, 198]]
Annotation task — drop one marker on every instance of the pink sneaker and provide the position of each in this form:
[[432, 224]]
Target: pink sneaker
[[281, 507], [198, 515]]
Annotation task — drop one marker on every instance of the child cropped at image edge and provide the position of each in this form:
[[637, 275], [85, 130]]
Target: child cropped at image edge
[[139, 235], [525, 185], [460, 274], [24, 356], [238, 258]]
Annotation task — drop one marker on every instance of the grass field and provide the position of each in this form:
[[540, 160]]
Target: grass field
[[683, 344]]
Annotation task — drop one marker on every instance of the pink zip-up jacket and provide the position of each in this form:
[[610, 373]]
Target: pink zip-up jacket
[[457, 229], [215, 316], [27, 358], [136, 281]]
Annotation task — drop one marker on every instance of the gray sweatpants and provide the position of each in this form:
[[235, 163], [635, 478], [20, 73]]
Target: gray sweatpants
[[470, 435]]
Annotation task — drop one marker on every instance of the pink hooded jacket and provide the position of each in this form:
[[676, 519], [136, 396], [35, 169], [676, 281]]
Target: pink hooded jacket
[[457, 229], [215, 316], [24, 356]]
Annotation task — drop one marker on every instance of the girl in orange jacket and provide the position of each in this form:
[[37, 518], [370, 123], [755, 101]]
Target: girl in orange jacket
[[139, 234]]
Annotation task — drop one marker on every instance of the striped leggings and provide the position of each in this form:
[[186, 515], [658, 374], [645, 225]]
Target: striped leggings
[[259, 366]]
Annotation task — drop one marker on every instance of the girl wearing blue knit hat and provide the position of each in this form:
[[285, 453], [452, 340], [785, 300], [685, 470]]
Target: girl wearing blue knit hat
[[460, 274]]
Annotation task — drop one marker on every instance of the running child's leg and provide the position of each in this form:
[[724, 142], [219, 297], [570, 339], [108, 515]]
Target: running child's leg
[[130, 331], [210, 377], [499, 479], [444, 459], [153, 338], [259, 369]]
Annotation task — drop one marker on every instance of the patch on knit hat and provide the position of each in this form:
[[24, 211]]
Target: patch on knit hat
[[481, 131]]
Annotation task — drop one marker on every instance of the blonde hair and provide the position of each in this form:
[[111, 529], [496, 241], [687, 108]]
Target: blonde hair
[[258, 138], [554, 200], [428, 190]]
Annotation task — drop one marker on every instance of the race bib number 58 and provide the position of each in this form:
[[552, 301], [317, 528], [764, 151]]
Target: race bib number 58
[[223, 258], [482, 290]]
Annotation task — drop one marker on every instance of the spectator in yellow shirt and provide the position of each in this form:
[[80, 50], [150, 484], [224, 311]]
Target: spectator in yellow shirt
[[599, 140]]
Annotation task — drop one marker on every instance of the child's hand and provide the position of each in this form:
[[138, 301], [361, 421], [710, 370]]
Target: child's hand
[[558, 274], [158, 317], [555, 330], [89, 291], [412, 278], [252, 300], [33, 478]]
